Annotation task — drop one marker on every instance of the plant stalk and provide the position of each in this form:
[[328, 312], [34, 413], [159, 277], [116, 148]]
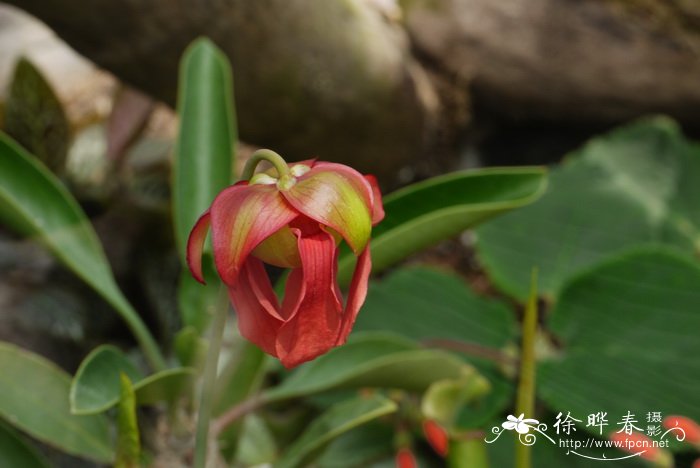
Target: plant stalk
[[209, 379], [526, 386], [265, 155]]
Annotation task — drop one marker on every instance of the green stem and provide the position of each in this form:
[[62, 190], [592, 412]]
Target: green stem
[[526, 386], [138, 328], [265, 155], [209, 380]]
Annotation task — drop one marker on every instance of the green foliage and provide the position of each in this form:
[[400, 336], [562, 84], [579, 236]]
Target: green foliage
[[15, 451], [203, 159], [334, 422], [370, 360], [424, 303], [639, 184], [97, 384], [36, 204], [628, 329], [34, 117], [425, 213], [34, 397]]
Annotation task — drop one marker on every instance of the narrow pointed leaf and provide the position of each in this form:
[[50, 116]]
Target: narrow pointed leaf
[[203, 158], [34, 397], [35, 203], [425, 213], [334, 422]]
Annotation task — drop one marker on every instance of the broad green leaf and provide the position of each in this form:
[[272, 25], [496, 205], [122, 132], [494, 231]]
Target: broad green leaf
[[205, 145], [404, 303], [35, 203], [96, 386], [334, 422], [359, 447], [636, 185], [15, 451], [128, 439], [370, 360], [425, 213], [257, 445], [629, 334], [34, 117], [34, 397], [203, 159]]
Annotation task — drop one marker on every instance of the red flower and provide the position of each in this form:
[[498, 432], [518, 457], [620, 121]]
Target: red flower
[[294, 218]]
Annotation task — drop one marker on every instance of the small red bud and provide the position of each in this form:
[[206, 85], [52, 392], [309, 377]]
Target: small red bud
[[696, 464], [436, 436], [690, 427], [405, 459]]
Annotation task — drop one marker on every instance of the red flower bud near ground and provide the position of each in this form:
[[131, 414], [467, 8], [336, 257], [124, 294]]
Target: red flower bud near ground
[[294, 218], [405, 459], [436, 436], [690, 427], [696, 463]]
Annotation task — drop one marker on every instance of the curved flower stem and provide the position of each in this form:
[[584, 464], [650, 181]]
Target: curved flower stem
[[526, 387], [265, 155], [209, 379], [236, 412]]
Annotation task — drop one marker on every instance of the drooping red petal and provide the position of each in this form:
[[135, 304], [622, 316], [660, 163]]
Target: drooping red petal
[[336, 196], [377, 205], [256, 306], [195, 245], [242, 216], [314, 316], [356, 295]]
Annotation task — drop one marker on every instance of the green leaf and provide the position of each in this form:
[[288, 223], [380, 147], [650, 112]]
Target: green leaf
[[128, 441], [370, 360], [34, 397], [36, 204], [35, 118], [96, 386], [334, 422], [359, 447], [636, 185], [445, 398], [629, 330], [241, 377], [404, 303], [425, 213], [203, 159], [257, 444], [15, 451]]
